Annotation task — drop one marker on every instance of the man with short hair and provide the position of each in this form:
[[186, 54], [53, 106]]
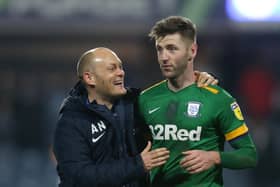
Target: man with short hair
[[95, 138], [192, 122]]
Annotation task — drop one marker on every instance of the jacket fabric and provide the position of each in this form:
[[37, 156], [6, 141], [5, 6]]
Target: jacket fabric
[[95, 146]]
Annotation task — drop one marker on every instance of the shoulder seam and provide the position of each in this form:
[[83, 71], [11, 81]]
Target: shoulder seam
[[154, 85], [210, 89]]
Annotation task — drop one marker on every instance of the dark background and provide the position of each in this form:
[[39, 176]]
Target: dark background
[[41, 42]]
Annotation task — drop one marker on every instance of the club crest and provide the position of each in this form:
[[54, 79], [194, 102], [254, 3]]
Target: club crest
[[193, 109], [236, 110]]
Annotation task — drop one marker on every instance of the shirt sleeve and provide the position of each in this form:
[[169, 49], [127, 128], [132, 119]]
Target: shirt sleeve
[[243, 156], [230, 119], [236, 132]]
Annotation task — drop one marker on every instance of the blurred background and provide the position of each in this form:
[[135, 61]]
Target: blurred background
[[42, 40]]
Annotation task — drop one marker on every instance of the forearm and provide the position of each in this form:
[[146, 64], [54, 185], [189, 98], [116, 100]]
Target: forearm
[[117, 172], [76, 165], [244, 155], [239, 159], [110, 173]]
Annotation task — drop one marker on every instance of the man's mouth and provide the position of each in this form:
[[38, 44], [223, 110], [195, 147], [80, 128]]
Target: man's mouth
[[118, 83], [166, 67]]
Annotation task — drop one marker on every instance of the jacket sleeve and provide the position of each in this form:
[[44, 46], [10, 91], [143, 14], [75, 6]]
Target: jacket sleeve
[[142, 131], [75, 166], [244, 155]]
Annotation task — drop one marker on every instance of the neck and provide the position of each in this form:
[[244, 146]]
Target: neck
[[182, 81], [101, 100]]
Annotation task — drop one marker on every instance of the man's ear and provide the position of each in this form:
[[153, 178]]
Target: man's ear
[[193, 50], [89, 78]]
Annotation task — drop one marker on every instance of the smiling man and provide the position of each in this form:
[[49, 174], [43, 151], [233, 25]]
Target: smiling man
[[102, 71], [94, 140]]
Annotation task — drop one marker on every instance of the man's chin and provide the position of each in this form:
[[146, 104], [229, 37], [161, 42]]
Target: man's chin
[[120, 92], [167, 75]]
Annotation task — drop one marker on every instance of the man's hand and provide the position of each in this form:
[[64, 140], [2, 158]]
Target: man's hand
[[204, 79], [154, 158], [196, 161]]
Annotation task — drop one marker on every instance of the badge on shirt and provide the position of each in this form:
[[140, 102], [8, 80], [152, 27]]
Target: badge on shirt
[[236, 110], [98, 130], [193, 108]]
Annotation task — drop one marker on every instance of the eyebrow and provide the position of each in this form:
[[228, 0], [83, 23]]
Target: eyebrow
[[115, 64], [166, 45]]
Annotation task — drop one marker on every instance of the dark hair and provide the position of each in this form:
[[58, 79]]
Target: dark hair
[[172, 25]]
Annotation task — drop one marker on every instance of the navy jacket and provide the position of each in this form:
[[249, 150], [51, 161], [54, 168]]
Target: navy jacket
[[95, 146]]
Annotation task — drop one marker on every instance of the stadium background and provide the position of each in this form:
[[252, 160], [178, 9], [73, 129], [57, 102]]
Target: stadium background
[[41, 41]]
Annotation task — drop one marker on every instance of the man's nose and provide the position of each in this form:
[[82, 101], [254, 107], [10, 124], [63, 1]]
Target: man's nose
[[163, 56], [120, 72]]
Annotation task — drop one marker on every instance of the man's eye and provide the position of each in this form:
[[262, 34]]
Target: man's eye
[[110, 68], [172, 48], [159, 49]]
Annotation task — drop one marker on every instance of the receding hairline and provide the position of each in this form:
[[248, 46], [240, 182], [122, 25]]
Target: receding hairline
[[88, 59]]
